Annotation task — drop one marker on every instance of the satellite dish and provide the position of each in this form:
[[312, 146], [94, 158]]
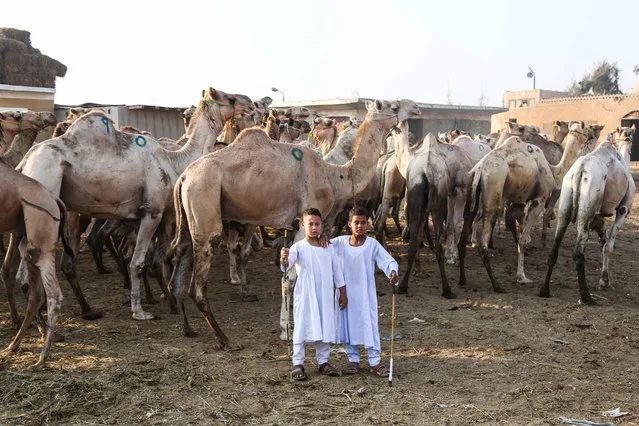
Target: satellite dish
[[529, 75]]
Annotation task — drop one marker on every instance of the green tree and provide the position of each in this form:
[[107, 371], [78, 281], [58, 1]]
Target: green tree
[[602, 80]]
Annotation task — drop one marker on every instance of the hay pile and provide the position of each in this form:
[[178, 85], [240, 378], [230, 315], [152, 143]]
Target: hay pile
[[23, 65]]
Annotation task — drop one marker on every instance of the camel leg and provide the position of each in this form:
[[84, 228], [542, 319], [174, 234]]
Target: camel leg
[[531, 216], [202, 259], [122, 248], [580, 263], [380, 220], [96, 245], [461, 246], [395, 215], [148, 226], [416, 219], [598, 224], [454, 226], [158, 266], [438, 226], [8, 275], [244, 253], [49, 282], [68, 265], [622, 214], [233, 247], [565, 209], [548, 213], [488, 223], [182, 271]]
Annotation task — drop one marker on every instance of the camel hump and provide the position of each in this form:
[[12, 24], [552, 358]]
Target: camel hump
[[251, 136]]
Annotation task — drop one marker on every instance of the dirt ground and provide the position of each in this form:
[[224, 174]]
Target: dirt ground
[[482, 358]]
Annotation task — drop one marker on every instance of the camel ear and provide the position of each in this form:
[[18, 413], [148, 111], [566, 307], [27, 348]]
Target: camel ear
[[618, 130], [633, 127], [231, 99], [369, 105], [583, 125], [203, 92], [213, 93], [378, 105]]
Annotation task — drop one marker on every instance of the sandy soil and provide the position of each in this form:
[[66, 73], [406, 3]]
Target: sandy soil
[[482, 358]]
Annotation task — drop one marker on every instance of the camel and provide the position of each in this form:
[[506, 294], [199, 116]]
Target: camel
[[22, 142], [187, 114], [234, 126], [559, 132], [437, 182], [13, 123], [518, 172], [597, 186], [299, 180], [325, 134], [35, 218], [115, 175]]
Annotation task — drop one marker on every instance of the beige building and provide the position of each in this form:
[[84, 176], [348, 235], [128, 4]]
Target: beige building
[[529, 98], [611, 111], [22, 98]]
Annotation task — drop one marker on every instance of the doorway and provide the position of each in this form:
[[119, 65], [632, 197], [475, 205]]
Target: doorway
[[628, 122]]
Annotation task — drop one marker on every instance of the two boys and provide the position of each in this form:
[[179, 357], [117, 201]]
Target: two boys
[[348, 260]]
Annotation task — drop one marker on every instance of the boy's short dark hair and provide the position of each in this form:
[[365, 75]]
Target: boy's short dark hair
[[311, 212], [358, 211]]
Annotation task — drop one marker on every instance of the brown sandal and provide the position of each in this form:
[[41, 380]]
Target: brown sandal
[[327, 370], [380, 370], [298, 374], [353, 368]]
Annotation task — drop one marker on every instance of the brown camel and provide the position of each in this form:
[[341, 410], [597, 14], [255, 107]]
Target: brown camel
[[559, 132], [35, 218], [15, 122], [597, 186], [518, 172], [297, 179], [110, 174]]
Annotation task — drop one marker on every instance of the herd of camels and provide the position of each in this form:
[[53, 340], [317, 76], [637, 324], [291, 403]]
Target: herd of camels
[[162, 207]]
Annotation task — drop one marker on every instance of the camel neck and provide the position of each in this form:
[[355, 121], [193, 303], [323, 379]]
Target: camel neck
[[402, 147], [368, 142], [570, 155], [204, 128]]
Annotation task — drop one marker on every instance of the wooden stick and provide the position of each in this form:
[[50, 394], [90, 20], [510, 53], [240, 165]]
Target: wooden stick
[[390, 373], [287, 307]]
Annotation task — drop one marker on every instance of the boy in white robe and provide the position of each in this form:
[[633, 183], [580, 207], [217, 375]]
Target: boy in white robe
[[314, 305], [358, 323]]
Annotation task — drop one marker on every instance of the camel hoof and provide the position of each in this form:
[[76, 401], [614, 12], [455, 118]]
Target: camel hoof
[[449, 295], [401, 290], [142, 316], [38, 366], [92, 315], [543, 293], [499, 290], [587, 300], [250, 298], [189, 333], [524, 280]]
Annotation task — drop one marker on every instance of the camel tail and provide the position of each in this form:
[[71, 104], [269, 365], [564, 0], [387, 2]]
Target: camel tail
[[63, 213], [475, 190], [181, 222], [576, 193]]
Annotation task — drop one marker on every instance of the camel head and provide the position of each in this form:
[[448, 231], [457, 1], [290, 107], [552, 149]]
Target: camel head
[[75, 113], [16, 121], [47, 119], [134, 130], [622, 135], [324, 129], [228, 105], [187, 114], [394, 111], [261, 112], [61, 128], [297, 113], [581, 138], [561, 126]]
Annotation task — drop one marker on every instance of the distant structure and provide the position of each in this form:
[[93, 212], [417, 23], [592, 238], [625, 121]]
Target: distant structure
[[434, 117], [542, 107], [27, 77]]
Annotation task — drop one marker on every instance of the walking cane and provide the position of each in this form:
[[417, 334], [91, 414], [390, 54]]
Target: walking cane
[[285, 293], [390, 373]]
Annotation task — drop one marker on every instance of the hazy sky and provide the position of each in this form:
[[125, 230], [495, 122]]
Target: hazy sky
[[165, 53]]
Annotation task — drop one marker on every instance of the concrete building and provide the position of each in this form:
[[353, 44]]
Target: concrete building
[[611, 111], [160, 121], [434, 117], [22, 98], [529, 98]]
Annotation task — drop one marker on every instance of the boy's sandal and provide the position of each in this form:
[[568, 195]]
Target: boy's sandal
[[353, 368], [298, 373], [380, 370], [327, 370]]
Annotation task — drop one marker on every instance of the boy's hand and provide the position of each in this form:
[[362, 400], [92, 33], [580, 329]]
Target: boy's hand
[[284, 256], [323, 241], [343, 300], [394, 279]]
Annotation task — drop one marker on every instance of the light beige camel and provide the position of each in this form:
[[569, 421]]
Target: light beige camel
[[115, 175], [13, 123], [518, 172], [437, 182], [34, 217], [324, 134], [298, 179], [234, 126], [597, 186], [559, 131]]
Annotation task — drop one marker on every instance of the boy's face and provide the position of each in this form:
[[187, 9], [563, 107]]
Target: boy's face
[[312, 226], [358, 225]]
